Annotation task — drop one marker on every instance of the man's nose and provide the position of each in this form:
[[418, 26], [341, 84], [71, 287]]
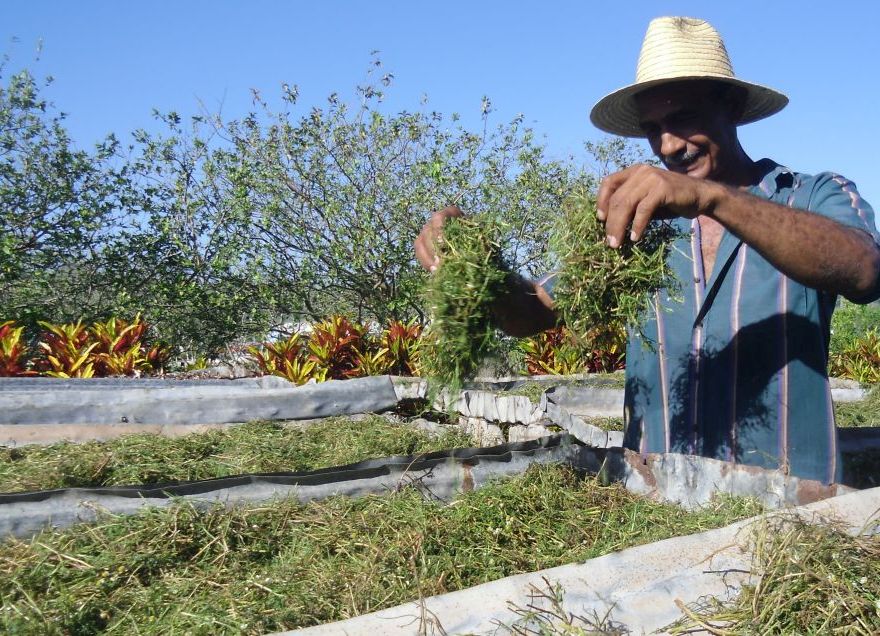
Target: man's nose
[[671, 144]]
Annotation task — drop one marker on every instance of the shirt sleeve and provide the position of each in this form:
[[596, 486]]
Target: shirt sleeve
[[548, 282], [836, 197]]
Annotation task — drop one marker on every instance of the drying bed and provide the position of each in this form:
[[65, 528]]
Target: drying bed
[[255, 447], [174, 530], [286, 565]]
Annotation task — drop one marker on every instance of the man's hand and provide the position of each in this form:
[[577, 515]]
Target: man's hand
[[642, 193], [431, 232], [523, 310]]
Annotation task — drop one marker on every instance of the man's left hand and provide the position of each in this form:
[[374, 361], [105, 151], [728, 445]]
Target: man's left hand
[[633, 197]]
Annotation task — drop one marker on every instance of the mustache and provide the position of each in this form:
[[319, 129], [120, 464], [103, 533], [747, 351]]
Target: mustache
[[680, 158]]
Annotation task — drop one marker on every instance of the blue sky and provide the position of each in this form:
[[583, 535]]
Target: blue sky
[[115, 61]]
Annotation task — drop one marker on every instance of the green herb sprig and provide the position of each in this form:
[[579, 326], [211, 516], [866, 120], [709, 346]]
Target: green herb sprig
[[598, 289], [461, 296]]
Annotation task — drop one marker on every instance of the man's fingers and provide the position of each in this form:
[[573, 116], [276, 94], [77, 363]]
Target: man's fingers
[[621, 209], [610, 184], [431, 231], [633, 203], [646, 210], [425, 254], [439, 217]]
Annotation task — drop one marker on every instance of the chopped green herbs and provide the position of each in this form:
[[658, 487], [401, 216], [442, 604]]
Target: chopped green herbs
[[599, 289], [284, 565], [811, 579], [461, 296], [258, 447]]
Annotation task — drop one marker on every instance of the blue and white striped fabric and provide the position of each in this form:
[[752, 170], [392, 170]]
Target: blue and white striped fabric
[[736, 367]]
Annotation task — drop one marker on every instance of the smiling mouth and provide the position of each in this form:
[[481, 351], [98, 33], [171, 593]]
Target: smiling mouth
[[681, 162]]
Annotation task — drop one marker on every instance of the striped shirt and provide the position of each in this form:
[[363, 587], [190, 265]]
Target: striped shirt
[[735, 367]]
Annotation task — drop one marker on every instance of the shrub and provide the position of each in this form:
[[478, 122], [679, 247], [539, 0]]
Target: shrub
[[551, 352], [336, 345], [854, 349], [859, 359], [114, 347], [338, 348], [604, 349], [66, 351], [287, 359], [14, 353], [401, 344], [121, 349], [557, 352], [850, 323]]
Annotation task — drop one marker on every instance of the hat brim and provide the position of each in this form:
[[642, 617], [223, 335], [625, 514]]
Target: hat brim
[[617, 113]]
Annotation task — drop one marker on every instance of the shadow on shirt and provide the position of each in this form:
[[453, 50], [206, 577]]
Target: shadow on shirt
[[733, 411]]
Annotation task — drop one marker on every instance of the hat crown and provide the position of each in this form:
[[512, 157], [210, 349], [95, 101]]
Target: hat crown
[[682, 47], [677, 49]]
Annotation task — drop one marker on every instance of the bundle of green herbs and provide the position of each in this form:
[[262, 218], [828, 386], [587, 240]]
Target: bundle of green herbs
[[598, 290], [461, 296]]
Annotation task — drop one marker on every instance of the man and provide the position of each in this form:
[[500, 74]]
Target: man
[[735, 366]]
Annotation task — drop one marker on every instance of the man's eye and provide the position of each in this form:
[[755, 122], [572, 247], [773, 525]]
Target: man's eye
[[684, 117], [650, 130]]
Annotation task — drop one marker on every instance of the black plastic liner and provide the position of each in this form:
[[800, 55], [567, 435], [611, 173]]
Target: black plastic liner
[[439, 475]]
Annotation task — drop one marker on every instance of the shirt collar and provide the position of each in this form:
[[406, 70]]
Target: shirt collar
[[776, 177]]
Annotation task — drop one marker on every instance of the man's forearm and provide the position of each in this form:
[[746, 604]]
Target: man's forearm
[[812, 249], [526, 308]]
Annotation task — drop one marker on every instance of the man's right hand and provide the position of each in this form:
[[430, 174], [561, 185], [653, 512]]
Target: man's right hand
[[525, 308], [431, 232]]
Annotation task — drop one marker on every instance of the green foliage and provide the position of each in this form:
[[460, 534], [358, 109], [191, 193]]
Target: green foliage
[[808, 579], [850, 323], [288, 565], [461, 295], [218, 230], [58, 206], [15, 357], [187, 258], [599, 291], [854, 349], [257, 447], [338, 195]]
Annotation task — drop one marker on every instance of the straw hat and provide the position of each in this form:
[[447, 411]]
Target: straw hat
[[677, 49]]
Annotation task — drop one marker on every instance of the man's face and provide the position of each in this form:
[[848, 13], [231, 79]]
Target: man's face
[[690, 129]]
